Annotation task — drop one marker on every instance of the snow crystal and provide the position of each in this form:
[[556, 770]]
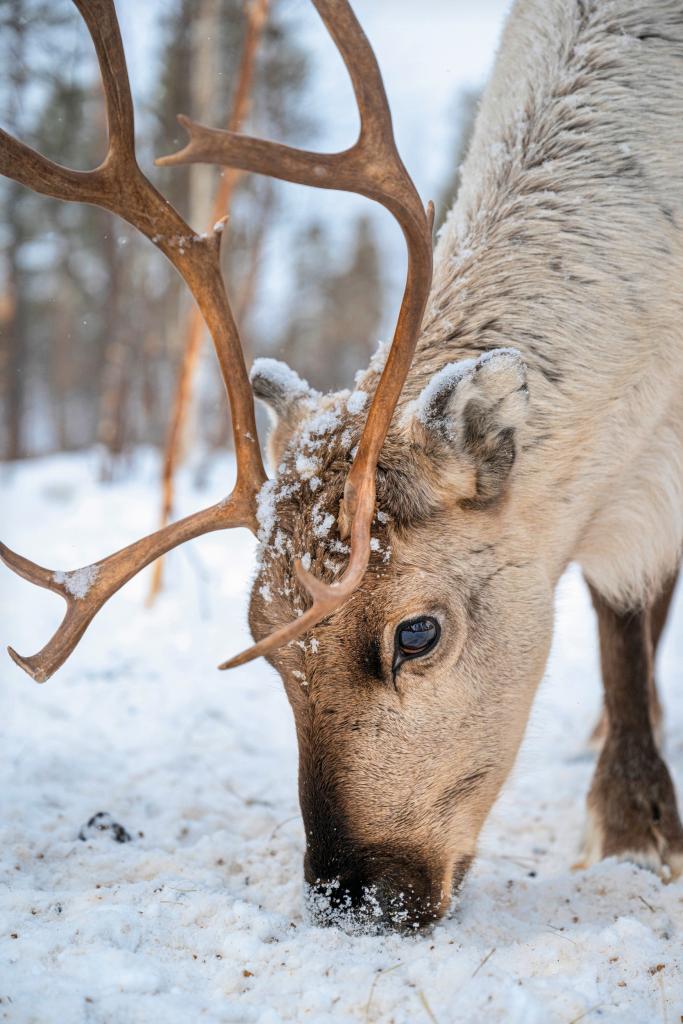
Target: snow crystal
[[322, 527], [314, 483], [78, 582], [356, 402], [281, 543], [324, 423], [374, 544], [382, 516], [379, 356], [306, 561], [305, 465], [265, 510], [266, 593]]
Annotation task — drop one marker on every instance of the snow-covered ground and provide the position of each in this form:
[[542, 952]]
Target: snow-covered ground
[[199, 917]]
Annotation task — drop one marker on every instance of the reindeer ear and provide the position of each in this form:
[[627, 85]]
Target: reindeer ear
[[280, 388], [475, 407]]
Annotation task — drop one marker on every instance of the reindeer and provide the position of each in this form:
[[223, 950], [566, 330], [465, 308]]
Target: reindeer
[[527, 414]]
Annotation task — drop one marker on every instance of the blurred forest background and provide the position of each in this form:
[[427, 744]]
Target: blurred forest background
[[93, 321]]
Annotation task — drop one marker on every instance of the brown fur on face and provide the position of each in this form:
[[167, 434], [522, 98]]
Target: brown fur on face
[[398, 770]]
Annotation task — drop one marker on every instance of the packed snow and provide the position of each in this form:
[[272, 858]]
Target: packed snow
[[79, 581], [151, 837]]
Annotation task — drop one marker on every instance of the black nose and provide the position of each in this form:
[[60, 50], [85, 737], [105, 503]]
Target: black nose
[[381, 895]]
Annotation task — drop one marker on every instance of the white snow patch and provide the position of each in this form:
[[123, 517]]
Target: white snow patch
[[266, 510], [320, 425], [324, 525], [379, 356], [305, 465], [356, 402], [79, 581]]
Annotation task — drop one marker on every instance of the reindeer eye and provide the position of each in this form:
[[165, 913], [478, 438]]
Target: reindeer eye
[[415, 638]]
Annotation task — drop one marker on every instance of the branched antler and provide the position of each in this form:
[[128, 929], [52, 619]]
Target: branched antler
[[371, 167], [119, 185]]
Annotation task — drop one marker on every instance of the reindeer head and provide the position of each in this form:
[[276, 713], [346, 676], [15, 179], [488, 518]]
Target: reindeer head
[[410, 700]]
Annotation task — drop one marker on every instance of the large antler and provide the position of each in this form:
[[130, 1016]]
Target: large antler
[[119, 185], [371, 167]]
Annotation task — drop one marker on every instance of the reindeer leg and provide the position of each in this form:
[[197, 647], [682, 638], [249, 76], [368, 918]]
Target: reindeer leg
[[632, 812], [659, 613]]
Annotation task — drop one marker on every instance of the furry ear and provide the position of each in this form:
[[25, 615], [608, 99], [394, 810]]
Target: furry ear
[[280, 388], [474, 408], [286, 395]]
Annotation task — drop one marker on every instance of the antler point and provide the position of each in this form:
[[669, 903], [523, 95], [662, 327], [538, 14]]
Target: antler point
[[238, 659], [24, 663], [430, 214]]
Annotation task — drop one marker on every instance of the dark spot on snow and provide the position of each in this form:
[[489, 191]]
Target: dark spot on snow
[[103, 822]]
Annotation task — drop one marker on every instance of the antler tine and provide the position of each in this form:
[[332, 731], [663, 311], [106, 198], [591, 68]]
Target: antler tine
[[87, 589], [119, 185], [325, 598], [371, 167]]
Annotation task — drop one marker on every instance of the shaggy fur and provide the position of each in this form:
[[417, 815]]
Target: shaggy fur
[[566, 246]]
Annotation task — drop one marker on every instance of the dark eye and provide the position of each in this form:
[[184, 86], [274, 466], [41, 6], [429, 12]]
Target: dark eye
[[415, 638]]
